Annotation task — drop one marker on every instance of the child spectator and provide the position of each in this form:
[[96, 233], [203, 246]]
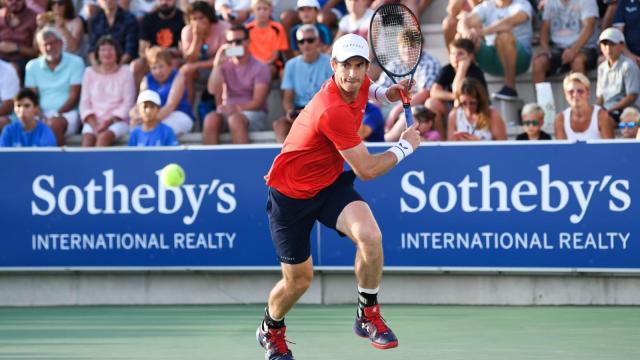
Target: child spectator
[[308, 14], [618, 82], [267, 38], [532, 120], [107, 95], [169, 84], [152, 132], [357, 20], [629, 123], [29, 131], [425, 119]]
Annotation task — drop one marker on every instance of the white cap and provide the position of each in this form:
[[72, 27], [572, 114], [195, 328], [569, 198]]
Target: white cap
[[348, 46], [149, 95], [612, 34], [308, 3]]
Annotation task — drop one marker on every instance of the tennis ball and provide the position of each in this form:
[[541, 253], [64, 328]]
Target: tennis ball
[[172, 175]]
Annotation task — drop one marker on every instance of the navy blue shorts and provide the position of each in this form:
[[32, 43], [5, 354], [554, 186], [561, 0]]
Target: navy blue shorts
[[291, 220]]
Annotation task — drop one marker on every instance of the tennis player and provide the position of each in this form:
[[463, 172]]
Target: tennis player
[[307, 182]]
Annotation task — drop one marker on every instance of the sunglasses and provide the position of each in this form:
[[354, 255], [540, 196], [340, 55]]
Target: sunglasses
[[530, 122], [235, 41], [627, 124], [576, 91], [307, 40]]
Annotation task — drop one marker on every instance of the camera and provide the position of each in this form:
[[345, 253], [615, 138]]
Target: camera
[[234, 51]]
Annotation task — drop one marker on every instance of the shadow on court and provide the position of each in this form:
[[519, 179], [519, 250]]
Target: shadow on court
[[320, 332]]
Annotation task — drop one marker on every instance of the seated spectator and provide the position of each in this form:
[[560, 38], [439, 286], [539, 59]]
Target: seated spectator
[[17, 30], [113, 20], [629, 122], [308, 13], [581, 120], [461, 65], [357, 19], [234, 11], [567, 38], [176, 111], [627, 19], [331, 11], [107, 95], [424, 77], [267, 38], [62, 15], [450, 22], [618, 82], [201, 39], [417, 7], [162, 28], [302, 79], [501, 30], [532, 119], [240, 84], [56, 76], [372, 127], [473, 118], [152, 132], [9, 87], [28, 131], [425, 119]]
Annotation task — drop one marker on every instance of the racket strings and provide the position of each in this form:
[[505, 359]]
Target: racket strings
[[396, 39]]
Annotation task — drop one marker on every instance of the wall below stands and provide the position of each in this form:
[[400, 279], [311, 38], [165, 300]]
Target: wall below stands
[[143, 288]]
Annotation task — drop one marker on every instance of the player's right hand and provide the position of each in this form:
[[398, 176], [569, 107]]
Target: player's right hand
[[412, 135]]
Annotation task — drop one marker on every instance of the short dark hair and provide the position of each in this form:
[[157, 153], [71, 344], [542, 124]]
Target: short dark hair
[[27, 94], [464, 44], [108, 40], [202, 7], [240, 27]]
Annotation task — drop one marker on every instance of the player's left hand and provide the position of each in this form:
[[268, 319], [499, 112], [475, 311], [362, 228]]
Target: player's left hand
[[393, 93]]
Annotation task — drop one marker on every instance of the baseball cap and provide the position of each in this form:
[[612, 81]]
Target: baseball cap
[[308, 3], [149, 95], [348, 46], [612, 34]]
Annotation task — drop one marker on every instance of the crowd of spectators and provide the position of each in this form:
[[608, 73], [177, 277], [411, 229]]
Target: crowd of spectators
[[76, 67]]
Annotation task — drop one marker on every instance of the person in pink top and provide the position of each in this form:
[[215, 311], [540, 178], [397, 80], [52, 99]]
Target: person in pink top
[[201, 38], [107, 95]]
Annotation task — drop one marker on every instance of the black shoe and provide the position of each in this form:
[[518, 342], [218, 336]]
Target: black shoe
[[274, 344], [371, 325], [506, 93]]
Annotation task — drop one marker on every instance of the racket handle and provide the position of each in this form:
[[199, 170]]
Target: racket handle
[[408, 116]]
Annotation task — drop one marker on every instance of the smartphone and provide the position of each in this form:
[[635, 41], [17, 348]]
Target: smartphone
[[236, 51]]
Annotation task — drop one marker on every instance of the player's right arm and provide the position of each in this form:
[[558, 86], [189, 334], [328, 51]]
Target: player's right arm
[[369, 166]]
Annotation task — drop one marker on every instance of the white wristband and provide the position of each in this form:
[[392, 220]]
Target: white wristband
[[401, 150]]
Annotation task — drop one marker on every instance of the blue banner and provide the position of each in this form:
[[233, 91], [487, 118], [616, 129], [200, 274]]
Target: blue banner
[[531, 206]]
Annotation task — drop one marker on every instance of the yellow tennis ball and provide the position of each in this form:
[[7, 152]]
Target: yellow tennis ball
[[172, 175]]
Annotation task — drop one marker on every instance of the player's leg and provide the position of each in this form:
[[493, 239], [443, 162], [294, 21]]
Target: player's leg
[[356, 221]]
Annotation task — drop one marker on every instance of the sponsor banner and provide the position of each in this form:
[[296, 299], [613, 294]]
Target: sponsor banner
[[517, 206]]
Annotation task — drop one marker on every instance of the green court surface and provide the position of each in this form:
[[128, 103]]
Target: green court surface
[[320, 332]]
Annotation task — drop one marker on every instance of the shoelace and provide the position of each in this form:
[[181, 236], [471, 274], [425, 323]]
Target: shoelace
[[279, 342], [378, 321]]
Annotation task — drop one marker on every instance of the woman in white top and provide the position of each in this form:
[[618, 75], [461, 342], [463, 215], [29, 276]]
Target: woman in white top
[[473, 118], [62, 15], [581, 120]]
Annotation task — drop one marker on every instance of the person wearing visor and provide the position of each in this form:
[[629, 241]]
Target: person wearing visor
[[307, 183]]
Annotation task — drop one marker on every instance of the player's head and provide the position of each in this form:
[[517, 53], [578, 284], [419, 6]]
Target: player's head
[[148, 106], [350, 62], [25, 105]]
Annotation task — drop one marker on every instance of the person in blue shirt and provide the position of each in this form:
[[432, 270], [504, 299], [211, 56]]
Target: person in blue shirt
[[152, 132], [28, 132], [372, 128]]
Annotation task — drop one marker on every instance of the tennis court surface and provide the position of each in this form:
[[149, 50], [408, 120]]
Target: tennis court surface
[[320, 332]]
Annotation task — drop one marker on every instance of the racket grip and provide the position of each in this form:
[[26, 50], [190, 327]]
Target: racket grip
[[408, 116]]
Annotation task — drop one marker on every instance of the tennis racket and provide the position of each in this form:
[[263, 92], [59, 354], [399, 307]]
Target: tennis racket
[[396, 41]]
